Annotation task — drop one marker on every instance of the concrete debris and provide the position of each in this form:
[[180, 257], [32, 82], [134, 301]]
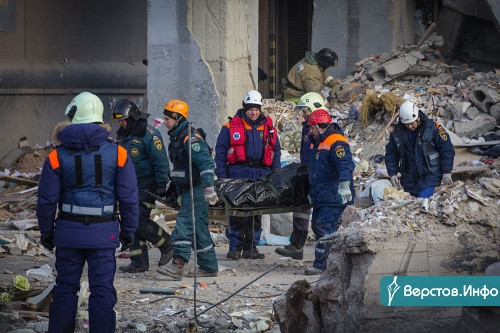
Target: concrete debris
[[455, 232]]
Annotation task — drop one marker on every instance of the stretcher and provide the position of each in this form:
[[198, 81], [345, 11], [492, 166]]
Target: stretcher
[[254, 211]]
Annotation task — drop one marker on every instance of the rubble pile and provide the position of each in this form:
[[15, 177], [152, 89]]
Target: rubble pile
[[455, 232]]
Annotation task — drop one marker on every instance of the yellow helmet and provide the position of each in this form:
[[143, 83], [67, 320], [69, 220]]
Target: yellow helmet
[[85, 108], [310, 102], [174, 108]]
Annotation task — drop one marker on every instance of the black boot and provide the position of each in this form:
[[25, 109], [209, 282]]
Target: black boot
[[166, 254], [290, 251], [295, 249], [139, 259], [252, 254]]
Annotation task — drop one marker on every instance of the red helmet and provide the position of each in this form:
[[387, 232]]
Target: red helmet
[[320, 116]]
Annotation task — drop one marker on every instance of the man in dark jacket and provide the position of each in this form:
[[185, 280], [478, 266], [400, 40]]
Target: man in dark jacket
[[182, 145], [147, 151], [419, 149], [330, 181], [83, 179], [307, 104], [247, 147]]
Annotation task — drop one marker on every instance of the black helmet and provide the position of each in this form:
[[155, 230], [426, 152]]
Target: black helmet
[[124, 109], [326, 58]]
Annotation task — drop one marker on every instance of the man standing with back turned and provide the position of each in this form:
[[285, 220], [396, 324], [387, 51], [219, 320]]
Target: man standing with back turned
[[83, 178]]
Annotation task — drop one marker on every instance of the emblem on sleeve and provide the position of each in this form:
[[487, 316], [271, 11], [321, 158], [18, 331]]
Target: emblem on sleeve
[[340, 152], [196, 146], [443, 134], [158, 144]]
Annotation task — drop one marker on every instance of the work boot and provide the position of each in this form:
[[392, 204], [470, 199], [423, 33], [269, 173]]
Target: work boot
[[233, 255], [290, 251], [314, 271], [201, 273], [135, 266], [166, 255], [252, 254], [174, 269]]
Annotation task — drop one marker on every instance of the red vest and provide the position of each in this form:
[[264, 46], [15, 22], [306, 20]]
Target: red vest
[[237, 141]]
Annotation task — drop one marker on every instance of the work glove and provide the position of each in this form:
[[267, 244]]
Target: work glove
[[334, 84], [47, 240], [447, 179], [161, 191], [127, 239], [395, 182], [210, 195], [345, 192]]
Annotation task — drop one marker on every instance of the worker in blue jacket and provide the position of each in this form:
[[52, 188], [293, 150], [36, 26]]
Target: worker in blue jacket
[[182, 145], [247, 147], [83, 179], [421, 151], [144, 144], [306, 105], [330, 181]]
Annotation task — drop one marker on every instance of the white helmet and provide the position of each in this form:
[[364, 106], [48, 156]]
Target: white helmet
[[253, 97], [86, 108], [408, 112]]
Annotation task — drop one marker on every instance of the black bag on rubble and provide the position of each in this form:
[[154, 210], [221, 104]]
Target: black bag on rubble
[[283, 187]]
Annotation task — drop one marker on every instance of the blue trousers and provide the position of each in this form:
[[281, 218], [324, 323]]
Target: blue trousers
[[245, 232], [324, 221], [101, 273]]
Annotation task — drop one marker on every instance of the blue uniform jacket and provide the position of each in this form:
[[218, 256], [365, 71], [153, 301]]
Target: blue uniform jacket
[[305, 143], [419, 171], [95, 235], [330, 162], [254, 150], [147, 151]]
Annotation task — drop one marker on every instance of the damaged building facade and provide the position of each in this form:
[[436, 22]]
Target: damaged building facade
[[208, 52]]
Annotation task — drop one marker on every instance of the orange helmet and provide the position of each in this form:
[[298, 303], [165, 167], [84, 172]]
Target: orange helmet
[[176, 108], [320, 116]]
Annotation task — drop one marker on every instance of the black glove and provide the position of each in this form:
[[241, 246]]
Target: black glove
[[47, 240], [172, 196], [161, 191], [127, 239]]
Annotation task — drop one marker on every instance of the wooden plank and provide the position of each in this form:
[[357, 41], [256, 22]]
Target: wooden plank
[[478, 144], [469, 168], [17, 180]]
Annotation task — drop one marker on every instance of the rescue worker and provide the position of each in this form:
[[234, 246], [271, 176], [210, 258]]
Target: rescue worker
[[307, 103], [145, 146], [421, 151], [176, 114], [247, 147], [83, 179], [309, 74], [330, 181]]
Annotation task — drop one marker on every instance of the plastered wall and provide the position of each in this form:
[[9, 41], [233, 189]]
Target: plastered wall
[[205, 53]]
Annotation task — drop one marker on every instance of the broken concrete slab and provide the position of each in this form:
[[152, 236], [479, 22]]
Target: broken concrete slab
[[484, 98], [12, 157], [495, 111], [482, 124]]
